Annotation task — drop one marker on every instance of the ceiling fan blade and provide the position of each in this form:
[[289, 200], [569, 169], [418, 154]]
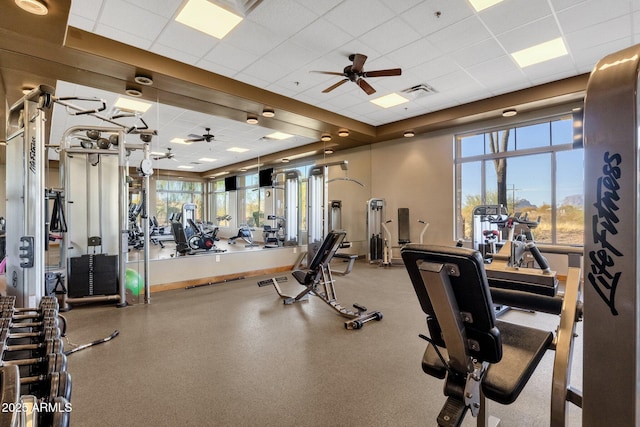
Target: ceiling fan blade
[[331, 73], [383, 73], [358, 62], [365, 86], [333, 86], [194, 139]]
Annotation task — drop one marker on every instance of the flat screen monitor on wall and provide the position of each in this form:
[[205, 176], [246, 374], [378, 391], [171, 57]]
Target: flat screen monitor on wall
[[265, 177], [231, 183]]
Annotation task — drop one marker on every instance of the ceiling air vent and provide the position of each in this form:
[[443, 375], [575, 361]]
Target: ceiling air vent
[[419, 91], [241, 7]]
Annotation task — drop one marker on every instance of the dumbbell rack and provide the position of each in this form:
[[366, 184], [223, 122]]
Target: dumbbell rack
[[35, 387]]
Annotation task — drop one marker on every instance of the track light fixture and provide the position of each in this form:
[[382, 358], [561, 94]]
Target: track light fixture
[[37, 7], [268, 112]]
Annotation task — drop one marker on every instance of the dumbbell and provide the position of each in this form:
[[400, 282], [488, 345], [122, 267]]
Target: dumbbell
[[48, 346], [45, 302], [44, 334], [49, 386], [52, 362], [47, 322]]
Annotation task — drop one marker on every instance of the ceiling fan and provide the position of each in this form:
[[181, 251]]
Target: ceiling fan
[[167, 155], [356, 74], [197, 138]]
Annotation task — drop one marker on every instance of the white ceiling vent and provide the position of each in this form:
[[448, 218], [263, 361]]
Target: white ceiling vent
[[241, 7], [419, 91]]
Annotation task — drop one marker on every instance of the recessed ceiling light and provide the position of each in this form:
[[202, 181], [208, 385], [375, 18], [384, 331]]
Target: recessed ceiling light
[[180, 141], [510, 112], [207, 159], [143, 80], [285, 160], [209, 18], [343, 133], [185, 167], [238, 149], [409, 134], [36, 7], [131, 91], [390, 100], [268, 112], [325, 138], [26, 90], [540, 53], [131, 105], [479, 5], [252, 120], [278, 135], [328, 151]]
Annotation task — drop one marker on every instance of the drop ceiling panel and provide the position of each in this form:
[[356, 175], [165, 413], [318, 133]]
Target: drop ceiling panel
[[519, 13], [529, 35], [356, 17], [132, 19], [165, 8], [424, 18], [175, 34]]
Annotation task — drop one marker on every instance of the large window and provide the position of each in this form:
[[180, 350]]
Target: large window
[[171, 195], [531, 169]]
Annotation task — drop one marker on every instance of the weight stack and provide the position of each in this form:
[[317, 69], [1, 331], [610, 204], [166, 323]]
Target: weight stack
[[93, 274]]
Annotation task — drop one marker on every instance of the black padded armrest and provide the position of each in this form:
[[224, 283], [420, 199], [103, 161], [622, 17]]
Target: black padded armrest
[[522, 350], [527, 300]]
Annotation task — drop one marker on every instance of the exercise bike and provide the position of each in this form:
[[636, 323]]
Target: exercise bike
[[201, 239]]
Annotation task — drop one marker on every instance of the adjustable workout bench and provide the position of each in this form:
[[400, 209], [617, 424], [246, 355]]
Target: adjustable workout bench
[[317, 275], [478, 356]]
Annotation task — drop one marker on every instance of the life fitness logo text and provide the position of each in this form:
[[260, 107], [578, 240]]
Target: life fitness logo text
[[603, 275], [32, 155]]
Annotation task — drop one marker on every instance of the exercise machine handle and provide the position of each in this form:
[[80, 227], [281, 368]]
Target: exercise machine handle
[[537, 255]]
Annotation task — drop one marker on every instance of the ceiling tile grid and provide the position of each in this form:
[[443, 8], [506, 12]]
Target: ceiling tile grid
[[465, 55]]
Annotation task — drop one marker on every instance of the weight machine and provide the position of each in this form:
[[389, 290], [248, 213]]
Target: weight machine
[[26, 194]]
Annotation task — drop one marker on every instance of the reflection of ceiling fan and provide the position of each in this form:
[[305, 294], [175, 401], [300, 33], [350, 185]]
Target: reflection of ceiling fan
[[167, 155], [356, 74], [204, 137]]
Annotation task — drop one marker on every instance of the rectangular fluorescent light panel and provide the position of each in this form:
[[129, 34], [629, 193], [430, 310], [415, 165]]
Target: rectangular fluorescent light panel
[[206, 159], [156, 153], [129, 104], [209, 18], [238, 149], [278, 135], [390, 100], [185, 167], [180, 141], [540, 53], [479, 5]]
